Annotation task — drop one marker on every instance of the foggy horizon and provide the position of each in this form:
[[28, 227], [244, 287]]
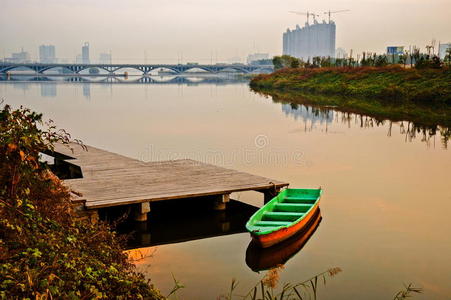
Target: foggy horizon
[[210, 31]]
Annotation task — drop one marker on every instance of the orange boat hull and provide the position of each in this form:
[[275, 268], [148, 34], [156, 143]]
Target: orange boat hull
[[259, 259], [268, 240]]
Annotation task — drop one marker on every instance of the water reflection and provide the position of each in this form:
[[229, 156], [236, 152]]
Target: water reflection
[[180, 221], [48, 90], [311, 116], [259, 259], [302, 112], [87, 90], [21, 86]]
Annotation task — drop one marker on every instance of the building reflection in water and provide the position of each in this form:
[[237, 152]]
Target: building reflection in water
[[22, 86], [87, 90], [48, 89]]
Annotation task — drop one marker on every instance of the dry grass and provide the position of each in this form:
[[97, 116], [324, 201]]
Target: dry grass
[[267, 287]]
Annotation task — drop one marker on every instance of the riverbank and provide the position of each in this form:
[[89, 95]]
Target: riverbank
[[390, 84]]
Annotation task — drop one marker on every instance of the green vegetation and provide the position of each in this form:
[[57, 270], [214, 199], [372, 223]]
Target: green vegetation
[[393, 84], [413, 58], [45, 251], [286, 61]]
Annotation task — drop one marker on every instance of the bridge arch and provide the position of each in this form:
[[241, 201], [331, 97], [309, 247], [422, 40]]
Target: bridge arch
[[78, 69], [108, 70], [97, 70], [17, 68], [165, 68], [264, 69], [207, 69], [234, 68], [124, 68], [43, 70]]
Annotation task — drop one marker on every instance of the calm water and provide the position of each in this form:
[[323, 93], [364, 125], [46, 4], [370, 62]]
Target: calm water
[[385, 212]]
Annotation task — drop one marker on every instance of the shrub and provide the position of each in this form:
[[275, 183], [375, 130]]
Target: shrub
[[45, 252], [381, 61], [286, 61]]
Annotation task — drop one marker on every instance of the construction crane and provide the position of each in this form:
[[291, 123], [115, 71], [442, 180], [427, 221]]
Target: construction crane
[[308, 14], [334, 12]]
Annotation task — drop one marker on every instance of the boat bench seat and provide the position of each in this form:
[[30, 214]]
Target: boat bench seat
[[271, 223], [292, 207], [306, 200], [281, 216]]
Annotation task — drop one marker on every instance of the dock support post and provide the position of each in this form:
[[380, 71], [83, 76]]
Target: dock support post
[[94, 216], [269, 194], [220, 201], [88, 215], [141, 211]]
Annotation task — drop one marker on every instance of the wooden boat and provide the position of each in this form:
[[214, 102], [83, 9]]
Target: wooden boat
[[259, 259], [285, 215]]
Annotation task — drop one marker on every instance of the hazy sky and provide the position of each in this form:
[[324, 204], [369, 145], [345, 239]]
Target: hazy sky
[[209, 30]]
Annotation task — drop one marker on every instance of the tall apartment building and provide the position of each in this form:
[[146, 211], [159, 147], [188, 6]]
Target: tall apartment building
[[47, 54], [85, 53], [317, 39]]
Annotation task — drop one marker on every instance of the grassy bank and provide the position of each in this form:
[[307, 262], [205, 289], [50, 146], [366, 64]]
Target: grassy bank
[[391, 84]]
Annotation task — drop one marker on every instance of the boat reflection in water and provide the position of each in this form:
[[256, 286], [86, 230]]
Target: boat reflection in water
[[259, 259], [176, 221]]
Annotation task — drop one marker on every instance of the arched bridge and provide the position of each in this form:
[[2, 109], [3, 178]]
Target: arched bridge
[[171, 80], [144, 68]]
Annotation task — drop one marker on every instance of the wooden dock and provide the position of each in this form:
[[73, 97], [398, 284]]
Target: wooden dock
[[108, 179]]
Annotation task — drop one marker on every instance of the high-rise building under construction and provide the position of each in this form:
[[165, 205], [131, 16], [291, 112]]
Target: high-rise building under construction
[[317, 39]]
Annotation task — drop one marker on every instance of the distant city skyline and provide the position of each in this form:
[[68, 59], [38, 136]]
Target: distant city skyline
[[209, 30]]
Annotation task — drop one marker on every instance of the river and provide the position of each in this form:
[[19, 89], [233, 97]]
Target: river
[[386, 205]]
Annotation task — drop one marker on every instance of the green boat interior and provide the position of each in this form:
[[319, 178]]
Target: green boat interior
[[289, 206]]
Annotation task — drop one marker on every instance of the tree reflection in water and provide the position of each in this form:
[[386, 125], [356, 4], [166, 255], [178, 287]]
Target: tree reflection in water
[[326, 115]]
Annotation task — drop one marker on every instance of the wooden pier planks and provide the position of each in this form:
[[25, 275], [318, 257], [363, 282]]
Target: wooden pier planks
[[111, 179]]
